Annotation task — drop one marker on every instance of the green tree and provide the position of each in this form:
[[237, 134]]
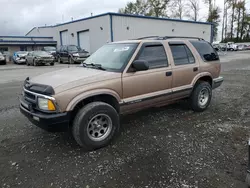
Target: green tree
[[140, 7], [158, 8], [214, 17]]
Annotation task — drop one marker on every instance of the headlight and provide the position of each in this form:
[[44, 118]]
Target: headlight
[[46, 104], [76, 55]]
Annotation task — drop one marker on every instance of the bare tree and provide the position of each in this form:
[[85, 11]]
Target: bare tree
[[194, 5], [178, 8]]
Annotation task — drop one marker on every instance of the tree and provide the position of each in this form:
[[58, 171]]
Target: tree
[[178, 8], [139, 8], [194, 6], [233, 4], [214, 18], [157, 8]]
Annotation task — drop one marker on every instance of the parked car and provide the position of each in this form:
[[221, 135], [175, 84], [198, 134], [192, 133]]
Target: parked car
[[19, 57], [2, 59], [39, 58], [120, 78], [242, 47], [231, 46], [72, 54], [51, 50]]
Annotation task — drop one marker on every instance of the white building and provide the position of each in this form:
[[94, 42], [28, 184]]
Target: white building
[[92, 32]]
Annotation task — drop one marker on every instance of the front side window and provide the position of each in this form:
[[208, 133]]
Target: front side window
[[181, 54], [206, 51], [113, 56], [155, 55]]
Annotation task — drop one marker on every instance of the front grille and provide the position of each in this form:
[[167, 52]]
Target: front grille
[[29, 95], [22, 57]]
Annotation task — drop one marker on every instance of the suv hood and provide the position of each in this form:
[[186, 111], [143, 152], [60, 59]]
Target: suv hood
[[67, 78]]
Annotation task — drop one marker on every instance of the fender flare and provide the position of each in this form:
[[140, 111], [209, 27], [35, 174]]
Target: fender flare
[[198, 76], [91, 93]]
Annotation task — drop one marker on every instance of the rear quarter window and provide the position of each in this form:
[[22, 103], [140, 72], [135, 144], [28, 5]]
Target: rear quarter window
[[206, 51]]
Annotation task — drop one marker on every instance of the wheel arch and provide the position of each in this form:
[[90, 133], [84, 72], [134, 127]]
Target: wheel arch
[[94, 95], [207, 77]]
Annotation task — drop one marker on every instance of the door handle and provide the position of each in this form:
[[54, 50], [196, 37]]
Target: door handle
[[169, 73], [195, 69]]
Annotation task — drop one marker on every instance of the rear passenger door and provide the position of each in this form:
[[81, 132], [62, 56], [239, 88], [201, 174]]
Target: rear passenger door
[[148, 88], [185, 67]]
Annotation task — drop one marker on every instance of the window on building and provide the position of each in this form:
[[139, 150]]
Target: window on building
[[155, 55], [181, 54]]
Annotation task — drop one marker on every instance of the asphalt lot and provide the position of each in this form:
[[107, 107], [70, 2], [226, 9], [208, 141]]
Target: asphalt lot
[[169, 147]]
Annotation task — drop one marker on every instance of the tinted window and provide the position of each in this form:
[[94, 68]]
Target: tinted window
[[155, 55], [205, 50], [181, 54]]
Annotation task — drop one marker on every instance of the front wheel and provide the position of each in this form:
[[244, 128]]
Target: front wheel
[[70, 60], [52, 64], [201, 96], [95, 125]]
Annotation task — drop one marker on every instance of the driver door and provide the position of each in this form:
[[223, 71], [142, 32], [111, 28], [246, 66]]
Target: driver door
[[152, 87]]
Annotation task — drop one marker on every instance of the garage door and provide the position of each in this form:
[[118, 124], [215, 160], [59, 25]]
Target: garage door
[[84, 40], [64, 38]]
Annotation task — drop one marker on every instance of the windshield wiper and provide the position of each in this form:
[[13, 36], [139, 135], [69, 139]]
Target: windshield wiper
[[93, 65]]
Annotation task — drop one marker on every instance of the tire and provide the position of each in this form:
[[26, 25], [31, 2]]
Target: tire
[[52, 64], [70, 60], [59, 60], [199, 101], [82, 129], [27, 63], [34, 63], [248, 180]]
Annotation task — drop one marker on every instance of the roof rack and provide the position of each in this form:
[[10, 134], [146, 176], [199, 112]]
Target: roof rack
[[148, 37], [167, 37]]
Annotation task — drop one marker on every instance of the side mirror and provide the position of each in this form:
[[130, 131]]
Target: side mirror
[[140, 65]]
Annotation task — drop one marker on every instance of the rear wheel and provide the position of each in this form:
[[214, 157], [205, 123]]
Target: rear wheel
[[52, 64], [95, 125], [201, 96]]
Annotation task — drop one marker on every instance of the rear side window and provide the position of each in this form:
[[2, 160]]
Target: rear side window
[[181, 54], [206, 51], [155, 55]]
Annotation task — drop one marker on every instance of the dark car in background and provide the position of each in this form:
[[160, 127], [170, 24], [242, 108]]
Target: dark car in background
[[19, 57], [72, 54], [51, 50], [2, 59], [36, 58]]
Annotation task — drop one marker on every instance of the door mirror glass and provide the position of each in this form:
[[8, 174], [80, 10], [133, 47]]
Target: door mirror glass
[[140, 65]]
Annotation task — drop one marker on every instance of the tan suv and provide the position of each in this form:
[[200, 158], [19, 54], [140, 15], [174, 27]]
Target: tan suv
[[120, 78]]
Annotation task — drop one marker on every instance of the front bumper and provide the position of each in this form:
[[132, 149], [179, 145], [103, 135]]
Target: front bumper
[[79, 59], [19, 61], [44, 61], [217, 82], [55, 122]]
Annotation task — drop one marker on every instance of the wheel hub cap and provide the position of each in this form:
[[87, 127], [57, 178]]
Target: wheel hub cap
[[203, 97], [99, 127]]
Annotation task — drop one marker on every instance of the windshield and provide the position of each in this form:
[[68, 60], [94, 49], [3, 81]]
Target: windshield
[[22, 52], [113, 56], [50, 48], [73, 48], [40, 53]]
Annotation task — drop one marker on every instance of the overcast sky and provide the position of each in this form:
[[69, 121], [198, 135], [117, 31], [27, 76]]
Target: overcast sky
[[17, 17]]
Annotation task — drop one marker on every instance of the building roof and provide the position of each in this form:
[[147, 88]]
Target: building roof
[[124, 15]]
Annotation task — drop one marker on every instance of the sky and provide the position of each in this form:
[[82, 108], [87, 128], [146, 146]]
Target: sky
[[17, 17]]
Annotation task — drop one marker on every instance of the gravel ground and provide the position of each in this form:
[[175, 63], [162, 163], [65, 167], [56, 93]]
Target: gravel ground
[[170, 147]]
